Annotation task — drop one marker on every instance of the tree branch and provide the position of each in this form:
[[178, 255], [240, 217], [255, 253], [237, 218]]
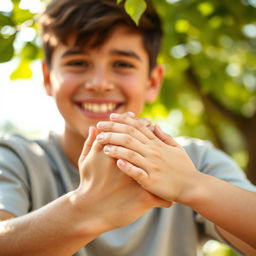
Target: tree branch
[[240, 121]]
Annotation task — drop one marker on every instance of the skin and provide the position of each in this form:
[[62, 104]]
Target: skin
[[116, 72], [113, 73], [161, 166]]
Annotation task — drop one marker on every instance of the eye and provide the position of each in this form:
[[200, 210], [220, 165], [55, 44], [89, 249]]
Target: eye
[[78, 63], [123, 64]]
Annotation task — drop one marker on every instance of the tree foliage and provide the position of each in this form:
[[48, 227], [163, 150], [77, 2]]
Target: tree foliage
[[209, 52]]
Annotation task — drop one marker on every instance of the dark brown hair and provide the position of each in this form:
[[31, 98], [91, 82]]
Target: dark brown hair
[[92, 22]]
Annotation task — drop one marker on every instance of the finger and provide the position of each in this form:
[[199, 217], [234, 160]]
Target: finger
[[162, 203], [114, 127], [92, 133], [138, 174], [165, 204], [130, 114], [144, 121], [124, 140], [141, 177], [96, 146], [166, 138], [139, 124], [133, 157]]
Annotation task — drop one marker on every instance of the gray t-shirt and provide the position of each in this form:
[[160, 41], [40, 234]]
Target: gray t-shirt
[[177, 230]]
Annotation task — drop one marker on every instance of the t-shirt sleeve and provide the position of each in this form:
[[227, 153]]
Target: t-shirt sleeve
[[216, 163], [14, 187]]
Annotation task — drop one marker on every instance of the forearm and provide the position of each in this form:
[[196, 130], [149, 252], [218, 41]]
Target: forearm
[[229, 207], [56, 229]]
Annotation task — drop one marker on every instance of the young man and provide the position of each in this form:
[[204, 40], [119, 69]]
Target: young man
[[99, 62]]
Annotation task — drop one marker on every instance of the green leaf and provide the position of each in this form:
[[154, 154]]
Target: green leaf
[[6, 48], [119, 1], [23, 71], [182, 26], [5, 20], [135, 9], [20, 15], [206, 8], [29, 51]]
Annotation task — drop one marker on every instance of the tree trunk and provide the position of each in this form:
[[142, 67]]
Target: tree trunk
[[247, 126], [250, 139]]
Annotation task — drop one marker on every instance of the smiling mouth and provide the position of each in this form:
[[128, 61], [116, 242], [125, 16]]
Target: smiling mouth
[[100, 108]]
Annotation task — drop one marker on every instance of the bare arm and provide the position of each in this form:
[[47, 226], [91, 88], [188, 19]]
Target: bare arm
[[162, 167], [56, 229], [105, 199], [231, 208]]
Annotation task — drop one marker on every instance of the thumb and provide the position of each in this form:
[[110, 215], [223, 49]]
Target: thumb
[[166, 138], [88, 143]]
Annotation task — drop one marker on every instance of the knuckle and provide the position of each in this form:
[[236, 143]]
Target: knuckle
[[127, 139], [114, 150], [131, 154], [146, 185], [137, 125], [138, 174], [130, 130], [156, 168], [107, 137], [155, 154], [111, 125]]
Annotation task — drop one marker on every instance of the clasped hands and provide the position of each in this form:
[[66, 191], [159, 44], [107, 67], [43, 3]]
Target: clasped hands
[[149, 156]]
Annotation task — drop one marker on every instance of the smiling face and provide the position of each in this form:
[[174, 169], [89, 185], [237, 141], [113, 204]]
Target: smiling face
[[89, 84]]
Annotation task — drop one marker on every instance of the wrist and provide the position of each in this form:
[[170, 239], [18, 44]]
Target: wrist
[[89, 222], [194, 191]]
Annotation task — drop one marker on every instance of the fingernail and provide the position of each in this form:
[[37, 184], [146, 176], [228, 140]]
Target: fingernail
[[100, 137], [115, 116], [146, 121], [131, 114], [101, 124], [107, 149], [121, 162]]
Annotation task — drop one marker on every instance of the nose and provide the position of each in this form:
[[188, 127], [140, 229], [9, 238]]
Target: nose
[[99, 82]]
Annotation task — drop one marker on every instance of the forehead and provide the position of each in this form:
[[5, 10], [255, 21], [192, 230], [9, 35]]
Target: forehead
[[121, 40]]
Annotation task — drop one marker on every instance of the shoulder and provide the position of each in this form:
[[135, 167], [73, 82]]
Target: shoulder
[[10, 145], [210, 160], [196, 148], [18, 150], [13, 170], [19, 145]]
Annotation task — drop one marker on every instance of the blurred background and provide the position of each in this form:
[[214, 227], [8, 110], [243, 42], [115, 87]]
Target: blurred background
[[209, 53]]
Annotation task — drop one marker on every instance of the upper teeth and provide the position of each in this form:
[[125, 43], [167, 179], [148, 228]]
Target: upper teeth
[[99, 108]]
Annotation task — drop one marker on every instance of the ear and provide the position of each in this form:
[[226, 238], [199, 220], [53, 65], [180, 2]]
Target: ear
[[46, 77], [154, 83]]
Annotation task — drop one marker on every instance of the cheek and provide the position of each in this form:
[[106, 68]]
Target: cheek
[[133, 87], [65, 83], [134, 91]]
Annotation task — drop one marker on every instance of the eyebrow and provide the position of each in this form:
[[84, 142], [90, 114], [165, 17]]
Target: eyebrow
[[126, 53], [74, 52]]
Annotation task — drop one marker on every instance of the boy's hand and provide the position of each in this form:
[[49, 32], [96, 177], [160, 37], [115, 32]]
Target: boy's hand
[[154, 159], [114, 199]]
